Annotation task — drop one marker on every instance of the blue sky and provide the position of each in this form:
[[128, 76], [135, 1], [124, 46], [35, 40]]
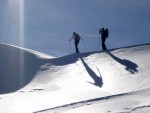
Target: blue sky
[[49, 24]]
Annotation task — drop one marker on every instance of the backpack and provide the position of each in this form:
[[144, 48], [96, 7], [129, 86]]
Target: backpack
[[77, 37], [106, 33]]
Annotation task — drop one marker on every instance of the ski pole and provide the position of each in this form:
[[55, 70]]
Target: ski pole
[[69, 47], [99, 43], [83, 46]]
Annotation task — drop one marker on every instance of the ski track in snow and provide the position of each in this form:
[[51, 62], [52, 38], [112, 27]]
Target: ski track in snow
[[90, 102], [79, 104]]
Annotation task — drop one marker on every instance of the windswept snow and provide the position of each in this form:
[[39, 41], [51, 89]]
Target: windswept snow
[[18, 66], [114, 81]]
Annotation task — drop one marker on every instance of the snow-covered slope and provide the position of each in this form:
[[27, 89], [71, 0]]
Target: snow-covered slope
[[18, 66], [107, 81]]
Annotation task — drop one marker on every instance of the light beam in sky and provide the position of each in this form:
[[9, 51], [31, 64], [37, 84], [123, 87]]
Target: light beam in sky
[[15, 22], [21, 37], [21, 20]]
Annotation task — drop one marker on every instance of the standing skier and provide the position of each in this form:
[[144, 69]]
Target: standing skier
[[104, 35], [76, 38]]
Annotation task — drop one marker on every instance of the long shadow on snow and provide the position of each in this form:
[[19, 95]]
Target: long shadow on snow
[[130, 66], [17, 68], [98, 81], [70, 59]]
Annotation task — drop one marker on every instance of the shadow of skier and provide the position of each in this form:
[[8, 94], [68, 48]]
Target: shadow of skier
[[129, 65], [98, 81]]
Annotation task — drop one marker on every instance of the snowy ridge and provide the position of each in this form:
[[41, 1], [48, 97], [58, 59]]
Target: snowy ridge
[[114, 81]]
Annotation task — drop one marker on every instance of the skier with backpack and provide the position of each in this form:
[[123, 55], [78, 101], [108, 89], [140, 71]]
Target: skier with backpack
[[76, 38], [104, 34]]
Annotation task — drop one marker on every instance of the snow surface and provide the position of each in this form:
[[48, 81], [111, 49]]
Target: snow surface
[[114, 81]]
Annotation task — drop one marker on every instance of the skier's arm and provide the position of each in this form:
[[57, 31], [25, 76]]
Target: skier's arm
[[81, 38], [72, 38], [100, 31]]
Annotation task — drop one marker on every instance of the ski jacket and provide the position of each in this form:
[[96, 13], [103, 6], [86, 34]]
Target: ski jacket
[[76, 37]]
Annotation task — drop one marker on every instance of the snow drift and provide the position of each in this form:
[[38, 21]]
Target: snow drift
[[72, 81], [17, 67]]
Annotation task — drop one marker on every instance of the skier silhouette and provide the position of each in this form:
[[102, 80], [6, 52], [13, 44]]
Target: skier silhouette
[[76, 38], [104, 34]]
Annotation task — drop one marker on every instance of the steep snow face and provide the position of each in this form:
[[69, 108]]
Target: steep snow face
[[18, 66]]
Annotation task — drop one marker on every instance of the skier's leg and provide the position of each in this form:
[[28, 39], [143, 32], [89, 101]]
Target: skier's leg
[[103, 44], [76, 46]]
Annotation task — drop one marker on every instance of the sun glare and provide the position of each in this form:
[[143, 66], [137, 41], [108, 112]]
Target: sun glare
[[15, 12], [21, 19], [21, 37]]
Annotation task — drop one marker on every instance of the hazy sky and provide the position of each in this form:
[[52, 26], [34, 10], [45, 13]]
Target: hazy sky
[[49, 24]]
